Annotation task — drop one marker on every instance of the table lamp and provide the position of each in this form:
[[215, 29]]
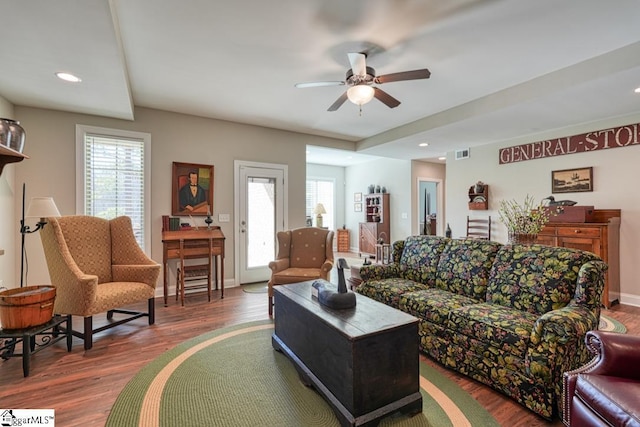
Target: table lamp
[[39, 207], [319, 210]]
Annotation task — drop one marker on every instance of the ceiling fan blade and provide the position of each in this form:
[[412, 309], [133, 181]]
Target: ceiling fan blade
[[385, 98], [319, 84], [358, 63], [404, 75], [338, 102]]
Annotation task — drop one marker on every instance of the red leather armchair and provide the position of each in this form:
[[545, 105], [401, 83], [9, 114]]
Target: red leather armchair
[[606, 391]]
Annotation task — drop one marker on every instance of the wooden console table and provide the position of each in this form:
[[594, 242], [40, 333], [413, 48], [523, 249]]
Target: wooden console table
[[198, 247]]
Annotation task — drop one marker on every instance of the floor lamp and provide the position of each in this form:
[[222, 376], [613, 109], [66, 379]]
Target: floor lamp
[[39, 207]]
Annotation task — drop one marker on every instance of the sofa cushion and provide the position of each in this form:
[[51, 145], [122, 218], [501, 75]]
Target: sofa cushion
[[616, 400], [465, 265], [504, 328], [295, 275], [433, 304], [420, 257], [388, 291], [535, 278]]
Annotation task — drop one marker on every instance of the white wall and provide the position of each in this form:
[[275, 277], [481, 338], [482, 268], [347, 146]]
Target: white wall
[[393, 174], [615, 172], [9, 222], [50, 170]]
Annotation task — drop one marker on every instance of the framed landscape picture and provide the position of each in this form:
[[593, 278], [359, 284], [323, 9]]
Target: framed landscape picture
[[572, 180], [191, 189]]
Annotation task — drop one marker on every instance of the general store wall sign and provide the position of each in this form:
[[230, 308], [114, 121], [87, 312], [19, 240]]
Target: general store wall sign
[[623, 136]]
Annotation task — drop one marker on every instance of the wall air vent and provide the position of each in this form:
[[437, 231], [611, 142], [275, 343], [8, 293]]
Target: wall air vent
[[462, 154]]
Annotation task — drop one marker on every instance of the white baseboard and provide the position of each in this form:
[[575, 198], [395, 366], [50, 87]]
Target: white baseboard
[[228, 283], [629, 299]]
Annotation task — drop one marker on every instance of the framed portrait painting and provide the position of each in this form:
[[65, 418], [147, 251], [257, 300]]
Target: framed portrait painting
[[192, 189], [572, 180]]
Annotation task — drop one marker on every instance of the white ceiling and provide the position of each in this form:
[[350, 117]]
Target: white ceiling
[[500, 68]]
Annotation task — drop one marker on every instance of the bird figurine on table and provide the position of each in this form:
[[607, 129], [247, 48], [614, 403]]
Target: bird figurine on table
[[553, 202]]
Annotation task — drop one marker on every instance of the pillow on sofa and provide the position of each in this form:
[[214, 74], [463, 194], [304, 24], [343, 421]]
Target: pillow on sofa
[[420, 257], [465, 265], [535, 278]]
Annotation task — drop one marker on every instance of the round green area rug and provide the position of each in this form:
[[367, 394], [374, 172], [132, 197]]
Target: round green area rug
[[234, 377], [610, 324]]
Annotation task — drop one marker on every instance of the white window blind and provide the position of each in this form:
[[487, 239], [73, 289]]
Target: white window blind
[[114, 180], [321, 191]]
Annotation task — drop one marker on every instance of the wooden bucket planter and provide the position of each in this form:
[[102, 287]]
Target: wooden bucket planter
[[26, 307]]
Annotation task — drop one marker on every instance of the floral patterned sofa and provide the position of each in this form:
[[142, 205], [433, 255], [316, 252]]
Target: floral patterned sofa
[[513, 317]]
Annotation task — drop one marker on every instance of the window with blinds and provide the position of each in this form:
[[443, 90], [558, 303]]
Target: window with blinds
[[321, 191], [113, 181]]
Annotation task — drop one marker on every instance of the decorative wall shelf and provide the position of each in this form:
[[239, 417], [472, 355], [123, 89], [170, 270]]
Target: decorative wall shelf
[[479, 201], [7, 155]]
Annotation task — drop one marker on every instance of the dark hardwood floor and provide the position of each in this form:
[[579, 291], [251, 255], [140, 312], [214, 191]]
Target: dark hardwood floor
[[82, 385]]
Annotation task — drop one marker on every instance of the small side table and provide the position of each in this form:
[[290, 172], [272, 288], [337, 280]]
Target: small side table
[[342, 235], [354, 279], [58, 328]]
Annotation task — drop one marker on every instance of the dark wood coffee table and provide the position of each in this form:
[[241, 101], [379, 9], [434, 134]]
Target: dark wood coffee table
[[364, 360]]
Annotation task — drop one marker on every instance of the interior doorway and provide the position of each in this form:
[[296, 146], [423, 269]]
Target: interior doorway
[[430, 206]]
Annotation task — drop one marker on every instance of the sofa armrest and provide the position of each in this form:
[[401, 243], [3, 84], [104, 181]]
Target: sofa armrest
[[327, 266], [557, 341], [590, 284], [279, 265], [147, 274], [396, 251], [615, 355], [379, 271]]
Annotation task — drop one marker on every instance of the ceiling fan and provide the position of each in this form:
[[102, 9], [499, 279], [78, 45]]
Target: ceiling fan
[[360, 80]]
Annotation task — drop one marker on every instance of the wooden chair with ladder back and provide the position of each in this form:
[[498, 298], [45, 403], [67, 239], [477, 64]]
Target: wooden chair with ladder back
[[479, 228], [192, 276]]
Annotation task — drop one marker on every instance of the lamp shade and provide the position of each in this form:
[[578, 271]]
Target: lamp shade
[[319, 210], [360, 94], [42, 207]]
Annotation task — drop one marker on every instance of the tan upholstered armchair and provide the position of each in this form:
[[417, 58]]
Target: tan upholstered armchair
[[303, 254], [97, 266]]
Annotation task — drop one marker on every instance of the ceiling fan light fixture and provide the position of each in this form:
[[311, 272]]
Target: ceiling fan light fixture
[[360, 94]]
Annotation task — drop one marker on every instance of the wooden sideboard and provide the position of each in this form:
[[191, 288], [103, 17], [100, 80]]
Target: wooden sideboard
[[602, 237]]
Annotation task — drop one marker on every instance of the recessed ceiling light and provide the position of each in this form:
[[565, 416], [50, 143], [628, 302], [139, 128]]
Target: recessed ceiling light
[[442, 158], [68, 77], [637, 90], [424, 144]]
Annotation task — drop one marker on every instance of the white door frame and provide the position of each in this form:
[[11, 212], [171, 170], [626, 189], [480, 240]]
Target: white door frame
[[237, 164], [440, 200]]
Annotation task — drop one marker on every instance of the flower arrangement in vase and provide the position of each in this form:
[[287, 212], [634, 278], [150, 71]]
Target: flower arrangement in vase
[[524, 221]]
